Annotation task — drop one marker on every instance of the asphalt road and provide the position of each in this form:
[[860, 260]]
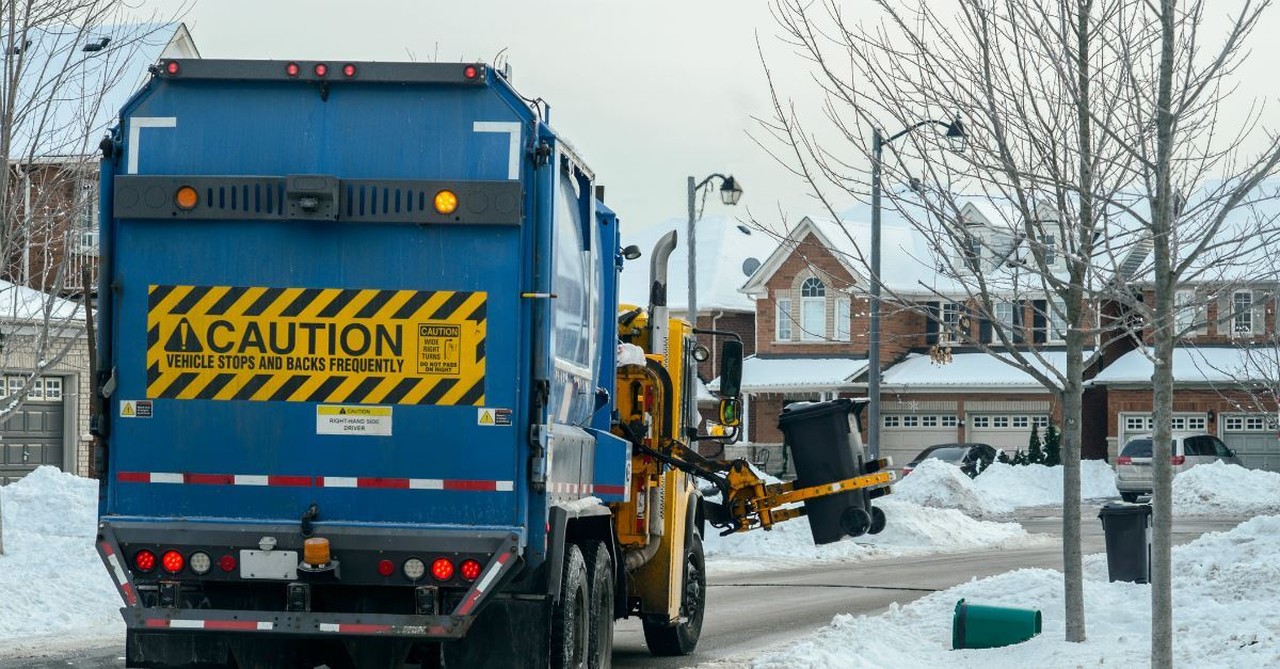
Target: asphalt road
[[750, 612]]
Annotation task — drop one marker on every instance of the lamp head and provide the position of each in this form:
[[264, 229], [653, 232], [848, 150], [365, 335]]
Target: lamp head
[[956, 136], [730, 191]]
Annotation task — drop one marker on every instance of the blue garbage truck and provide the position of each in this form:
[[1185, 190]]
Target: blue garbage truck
[[364, 394]]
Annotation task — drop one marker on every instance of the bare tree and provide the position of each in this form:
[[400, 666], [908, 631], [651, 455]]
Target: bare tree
[[1087, 120], [60, 60]]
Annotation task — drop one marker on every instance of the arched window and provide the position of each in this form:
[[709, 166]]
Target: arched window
[[813, 309]]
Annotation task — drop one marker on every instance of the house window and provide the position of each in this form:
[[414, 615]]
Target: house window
[[1197, 423], [1242, 318], [813, 309], [783, 319], [928, 421], [843, 320], [15, 386], [950, 421], [950, 330], [1041, 421], [973, 253], [1050, 249], [1137, 423], [1022, 421], [999, 421], [891, 421], [37, 390], [981, 421], [911, 421], [1184, 310], [1004, 314], [53, 389]]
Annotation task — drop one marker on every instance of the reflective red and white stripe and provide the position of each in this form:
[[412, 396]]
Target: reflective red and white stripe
[[272, 480], [118, 574], [225, 625], [355, 628], [413, 484], [485, 581], [556, 487]]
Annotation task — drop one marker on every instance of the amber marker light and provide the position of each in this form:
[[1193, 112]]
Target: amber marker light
[[446, 202], [186, 198]]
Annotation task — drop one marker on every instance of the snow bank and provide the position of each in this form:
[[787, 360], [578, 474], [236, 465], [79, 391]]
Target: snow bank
[[1221, 488], [1225, 587], [938, 484], [1039, 485], [56, 591], [910, 530]]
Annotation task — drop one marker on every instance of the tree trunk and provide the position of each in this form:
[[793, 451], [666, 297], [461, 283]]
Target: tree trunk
[[1072, 558], [1162, 378]]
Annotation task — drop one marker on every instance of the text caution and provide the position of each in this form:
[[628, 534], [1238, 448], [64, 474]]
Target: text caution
[[359, 421]]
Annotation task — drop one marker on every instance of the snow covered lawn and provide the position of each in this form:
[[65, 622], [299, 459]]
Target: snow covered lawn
[[1219, 488], [1000, 488], [1226, 586], [56, 593]]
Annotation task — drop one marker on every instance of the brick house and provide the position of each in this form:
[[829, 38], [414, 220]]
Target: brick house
[[937, 386], [1226, 370]]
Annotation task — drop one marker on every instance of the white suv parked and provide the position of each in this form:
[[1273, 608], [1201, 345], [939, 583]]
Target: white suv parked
[[1133, 467]]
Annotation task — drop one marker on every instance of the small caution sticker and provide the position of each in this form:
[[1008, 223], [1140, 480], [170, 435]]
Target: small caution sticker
[[353, 420], [490, 417], [135, 408]]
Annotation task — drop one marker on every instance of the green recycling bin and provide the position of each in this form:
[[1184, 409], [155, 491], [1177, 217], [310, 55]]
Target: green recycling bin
[[978, 626]]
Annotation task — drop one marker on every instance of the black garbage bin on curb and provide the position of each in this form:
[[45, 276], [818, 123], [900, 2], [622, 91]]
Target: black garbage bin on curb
[[1128, 532], [821, 441]]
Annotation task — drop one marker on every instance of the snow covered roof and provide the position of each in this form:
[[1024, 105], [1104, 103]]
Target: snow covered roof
[[23, 304], [1198, 365], [796, 373], [919, 372], [728, 253], [88, 87]]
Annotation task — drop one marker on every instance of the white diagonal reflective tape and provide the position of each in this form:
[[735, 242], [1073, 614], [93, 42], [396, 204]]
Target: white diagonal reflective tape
[[114, 561], [166, 477], [488, 578], [251, 479], [426, 484]]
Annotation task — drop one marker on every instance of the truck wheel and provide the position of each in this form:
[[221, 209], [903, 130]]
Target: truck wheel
[[600, 580], [569, 617], [877, 520], [667, 639], [855, 521]]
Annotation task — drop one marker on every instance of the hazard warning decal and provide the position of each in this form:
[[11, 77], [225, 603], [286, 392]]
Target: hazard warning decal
[[316, 345]]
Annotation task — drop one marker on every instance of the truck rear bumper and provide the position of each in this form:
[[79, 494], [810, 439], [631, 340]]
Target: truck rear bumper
[[160, 619]]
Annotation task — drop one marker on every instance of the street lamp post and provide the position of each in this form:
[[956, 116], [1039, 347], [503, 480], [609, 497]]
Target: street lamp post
[[957, 137], [730, 193]]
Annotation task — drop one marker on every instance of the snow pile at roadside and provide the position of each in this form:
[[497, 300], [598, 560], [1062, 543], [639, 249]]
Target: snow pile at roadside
[[938, 484], [1039, 485], [1225, 587], [909, 530], [56, 591], [1221, 488]]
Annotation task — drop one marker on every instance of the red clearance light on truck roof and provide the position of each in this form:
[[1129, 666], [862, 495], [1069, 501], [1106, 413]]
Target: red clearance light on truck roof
[[322, 70], [349, 70], [292, 69], [471, 72], [172, 67]]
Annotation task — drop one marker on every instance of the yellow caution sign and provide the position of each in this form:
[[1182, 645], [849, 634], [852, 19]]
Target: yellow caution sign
[[361, 346]]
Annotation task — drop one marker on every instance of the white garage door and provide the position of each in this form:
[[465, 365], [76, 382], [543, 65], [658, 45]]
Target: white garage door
[[1253, 437], [904, 435], [1008, 431], [1134, 424]]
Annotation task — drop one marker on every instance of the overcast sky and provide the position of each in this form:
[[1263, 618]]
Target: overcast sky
[[650, 92]]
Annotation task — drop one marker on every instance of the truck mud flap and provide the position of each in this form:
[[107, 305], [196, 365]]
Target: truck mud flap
[[508, 633]]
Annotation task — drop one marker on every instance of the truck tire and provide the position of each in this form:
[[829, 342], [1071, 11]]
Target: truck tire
[[667, 639], [600, 618], [570, 617]]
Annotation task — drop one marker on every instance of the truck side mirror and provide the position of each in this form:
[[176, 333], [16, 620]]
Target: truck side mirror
[[731, 368], [730, 412]]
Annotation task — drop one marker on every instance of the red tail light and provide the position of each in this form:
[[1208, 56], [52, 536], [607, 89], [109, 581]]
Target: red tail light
[[349, 70], [227, 563], [471, 72], [470, 570], [1178, 459], [386, 567], [172, 561], [1124, 460], [322, 70], [292, 69], [442, 569], [144, 560]]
